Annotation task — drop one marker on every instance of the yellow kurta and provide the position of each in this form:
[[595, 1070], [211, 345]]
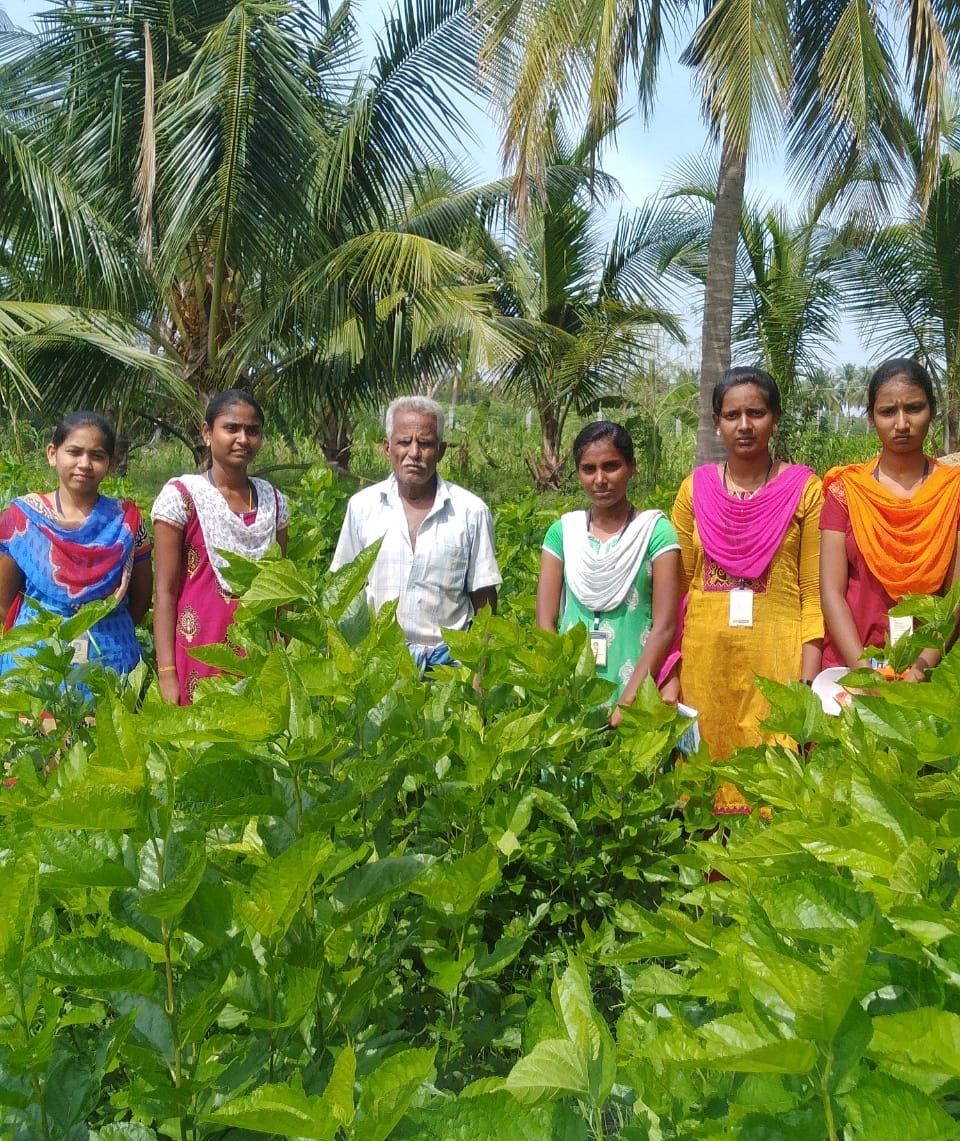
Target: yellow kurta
[[720, 662]]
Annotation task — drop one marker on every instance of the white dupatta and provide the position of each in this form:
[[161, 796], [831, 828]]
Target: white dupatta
[[601, 579], [224, 530]]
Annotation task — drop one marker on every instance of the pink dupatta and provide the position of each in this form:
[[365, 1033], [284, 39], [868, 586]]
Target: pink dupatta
[[743, 535]]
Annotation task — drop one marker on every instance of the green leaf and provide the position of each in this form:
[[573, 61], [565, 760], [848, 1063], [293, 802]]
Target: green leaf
[[117, 755], [377, 882], [18, 893], [733, 1043], [818, 996], [881, 1108], [343, 586], [127, 1131], [554, 1068], [275, 584], [83, 859], [587, 1030], [90, 806], [229, 789], [99, 963], [494, 1116], [920, 1046], [166, 893], [278, 1108], [387, 1092], [453, 890], [817, 908], [339, 1092], [277, 890]]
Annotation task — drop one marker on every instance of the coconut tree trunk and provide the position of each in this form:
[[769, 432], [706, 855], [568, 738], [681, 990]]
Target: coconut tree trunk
[[718, 293], [546, 471], [336, 439]]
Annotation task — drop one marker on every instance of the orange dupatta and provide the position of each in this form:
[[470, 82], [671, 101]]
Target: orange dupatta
[[908, 544]]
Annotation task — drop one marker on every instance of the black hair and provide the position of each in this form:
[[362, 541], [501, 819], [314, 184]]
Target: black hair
[[912, 372], [747, 375], [603, 430], [222, 400], [75, 420]]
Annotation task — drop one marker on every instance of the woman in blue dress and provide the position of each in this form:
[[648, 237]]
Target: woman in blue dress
[[62, 549]]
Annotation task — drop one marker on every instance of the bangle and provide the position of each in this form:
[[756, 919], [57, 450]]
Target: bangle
[[166, 669]]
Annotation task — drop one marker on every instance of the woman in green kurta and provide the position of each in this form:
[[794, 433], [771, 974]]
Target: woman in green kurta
[[612, 568]]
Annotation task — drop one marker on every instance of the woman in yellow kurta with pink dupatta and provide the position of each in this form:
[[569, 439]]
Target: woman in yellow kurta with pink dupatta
[[749, 543], [890, 526]]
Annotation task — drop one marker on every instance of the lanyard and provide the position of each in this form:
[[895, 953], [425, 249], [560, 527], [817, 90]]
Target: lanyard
[[619, 536]]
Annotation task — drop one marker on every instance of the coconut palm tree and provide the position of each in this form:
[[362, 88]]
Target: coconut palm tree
[[786, 298], [227, 177], [826, 71], [583, 311], [904, 289]]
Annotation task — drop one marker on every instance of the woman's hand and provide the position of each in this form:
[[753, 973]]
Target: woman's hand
[[169, 685], [670, 690]]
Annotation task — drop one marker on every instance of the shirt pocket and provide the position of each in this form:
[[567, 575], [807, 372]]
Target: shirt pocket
[[448, 562]]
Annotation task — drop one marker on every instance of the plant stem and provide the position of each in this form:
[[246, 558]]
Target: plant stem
[[825, 1097]]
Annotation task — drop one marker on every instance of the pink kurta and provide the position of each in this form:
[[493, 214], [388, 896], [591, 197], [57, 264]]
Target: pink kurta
[[205, 607]]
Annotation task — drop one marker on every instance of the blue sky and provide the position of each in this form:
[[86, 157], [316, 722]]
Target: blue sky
[[643, 160]]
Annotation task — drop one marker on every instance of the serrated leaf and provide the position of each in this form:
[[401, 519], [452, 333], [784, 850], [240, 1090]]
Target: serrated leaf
[[277, 890], [376, 882], [100, 963], [343, 586], [83, 859], [339, 1092], [90, 806], [554, 1068], [184, 862], [817, 908], [18, 892], [922, 1046], [493, 1116], [278, 1108], [587, 1030], [881, 1108], [388, 1091], [453, 890]]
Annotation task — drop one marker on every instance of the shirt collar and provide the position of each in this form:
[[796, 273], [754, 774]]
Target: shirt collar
[[390, 493]]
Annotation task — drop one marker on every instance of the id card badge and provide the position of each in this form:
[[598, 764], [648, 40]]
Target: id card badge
[[741, 607], [81, 650], [899, 627], [598, 644]]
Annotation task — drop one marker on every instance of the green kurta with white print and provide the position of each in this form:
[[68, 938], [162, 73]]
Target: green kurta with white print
[[628, 625]]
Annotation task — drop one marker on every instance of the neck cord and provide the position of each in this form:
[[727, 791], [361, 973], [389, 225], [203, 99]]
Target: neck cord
[[56, 500], [747, 494], [923, 474], [630, 515]]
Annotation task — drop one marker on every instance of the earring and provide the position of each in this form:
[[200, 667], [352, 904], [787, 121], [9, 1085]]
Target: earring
[[717, 432]]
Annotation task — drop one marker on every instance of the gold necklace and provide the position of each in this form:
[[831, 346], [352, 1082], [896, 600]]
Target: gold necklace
[[249, 492], [740, 493]]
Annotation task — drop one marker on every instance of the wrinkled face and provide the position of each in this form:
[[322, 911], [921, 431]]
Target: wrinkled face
[[604, 474], [745, 421], [235, 437], [413, 450], [901, 415], [82, 460]]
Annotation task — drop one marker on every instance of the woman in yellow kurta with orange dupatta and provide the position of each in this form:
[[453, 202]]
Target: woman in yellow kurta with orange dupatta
[[750, 548], [890, 526]]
